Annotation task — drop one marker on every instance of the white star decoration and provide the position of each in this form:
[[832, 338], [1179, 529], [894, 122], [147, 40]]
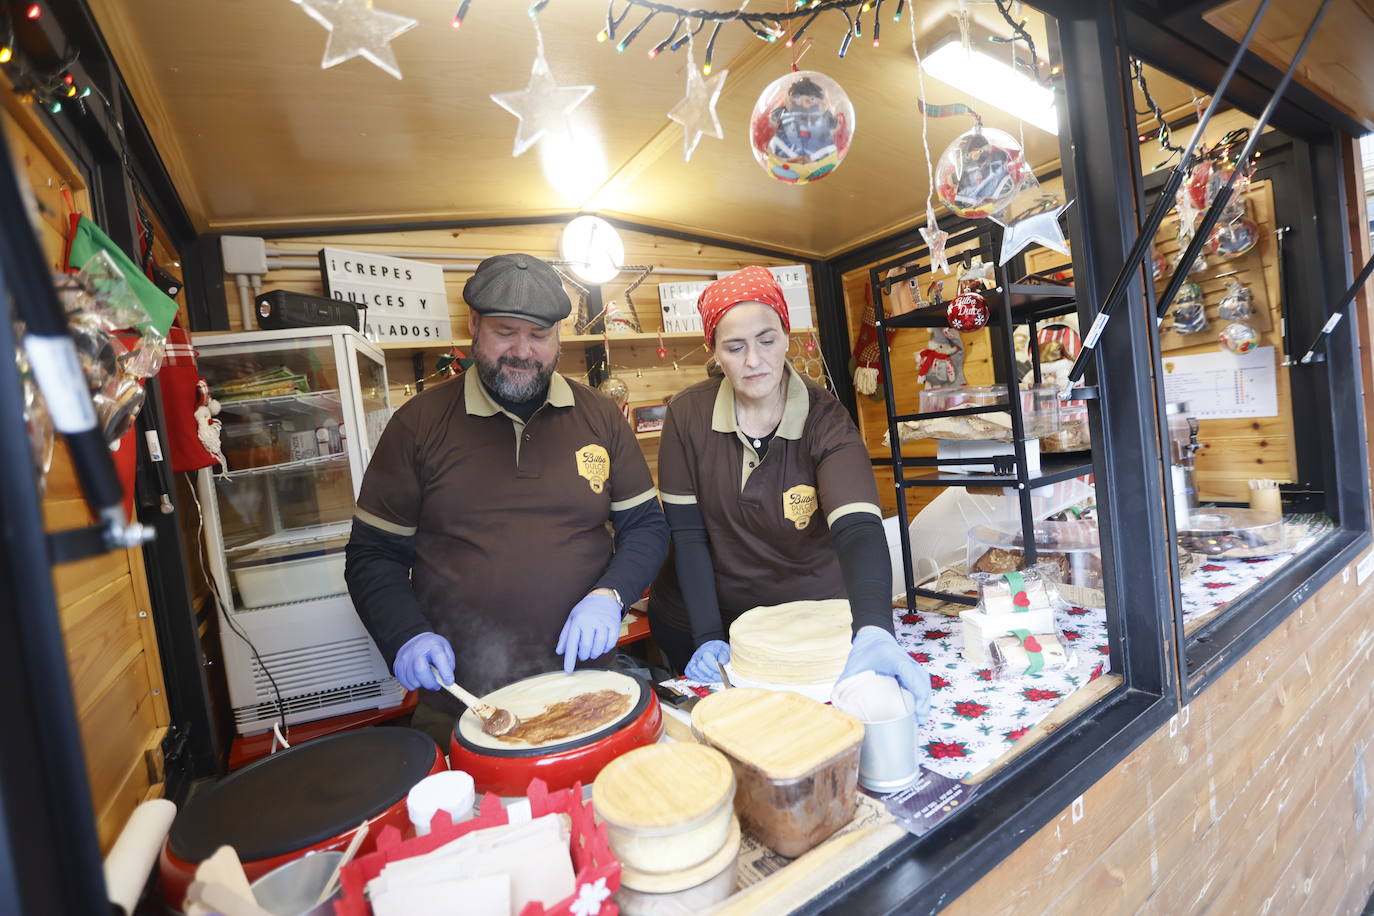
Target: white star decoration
[[1037, 229], [935, 240], [543, 106], [697, 110], [358, 30]]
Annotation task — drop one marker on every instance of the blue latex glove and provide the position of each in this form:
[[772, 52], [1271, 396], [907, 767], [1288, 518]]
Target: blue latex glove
[[415, 657], [592, 629], [876, 650], [708, 655]]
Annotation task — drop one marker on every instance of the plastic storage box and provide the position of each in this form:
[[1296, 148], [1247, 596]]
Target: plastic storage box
[[667, 807], [1232, 533], [789, 793], [1039, 404], [1073, 434], [1070, 548], [695, 890], [284, 574]]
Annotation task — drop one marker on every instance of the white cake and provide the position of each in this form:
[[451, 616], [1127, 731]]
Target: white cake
[[801, 642]]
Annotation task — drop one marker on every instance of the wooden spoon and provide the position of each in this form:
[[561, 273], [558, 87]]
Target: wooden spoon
[[495, 722]]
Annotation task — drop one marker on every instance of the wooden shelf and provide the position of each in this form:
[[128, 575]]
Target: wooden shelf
[[649, 434], [408, 347], [1028, 302]]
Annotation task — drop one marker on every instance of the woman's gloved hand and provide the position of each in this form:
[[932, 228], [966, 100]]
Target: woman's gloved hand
[[876, 650], [415, 658], [704, 662], [592, 629]]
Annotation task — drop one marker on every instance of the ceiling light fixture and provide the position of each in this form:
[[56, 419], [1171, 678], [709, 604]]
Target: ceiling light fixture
[[993, 80], [593, 249]]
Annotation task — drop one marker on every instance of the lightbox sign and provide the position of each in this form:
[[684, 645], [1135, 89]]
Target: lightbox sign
[[404, 300]]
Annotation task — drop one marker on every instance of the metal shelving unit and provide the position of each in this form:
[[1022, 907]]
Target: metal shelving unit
[[1010, 304]]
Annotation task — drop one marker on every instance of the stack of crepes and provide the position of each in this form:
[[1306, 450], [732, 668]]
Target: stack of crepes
[[800, 642], [490, 872]]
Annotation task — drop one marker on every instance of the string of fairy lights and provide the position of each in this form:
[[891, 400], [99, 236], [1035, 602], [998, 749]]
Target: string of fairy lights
[[621, 29], [52, 87]]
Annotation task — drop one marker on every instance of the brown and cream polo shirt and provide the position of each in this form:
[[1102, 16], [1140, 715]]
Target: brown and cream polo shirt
[[767, 519], [509, 518]]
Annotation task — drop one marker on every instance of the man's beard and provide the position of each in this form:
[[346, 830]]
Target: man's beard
[[510, 389]]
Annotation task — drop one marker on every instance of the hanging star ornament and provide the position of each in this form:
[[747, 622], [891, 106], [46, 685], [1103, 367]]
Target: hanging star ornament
[[358, 30], [543, 106], [697, 110], [1039, 228], [935, 240]]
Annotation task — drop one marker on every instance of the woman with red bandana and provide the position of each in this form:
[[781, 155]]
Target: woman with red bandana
[[770, 496]]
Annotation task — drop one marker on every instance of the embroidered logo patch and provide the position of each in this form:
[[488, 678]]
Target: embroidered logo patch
[[594, 464], [799, 504]]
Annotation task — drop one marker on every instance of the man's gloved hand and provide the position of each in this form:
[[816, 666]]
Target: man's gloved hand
[[876, 650], [708, 655], [415, 657], [593, 627]]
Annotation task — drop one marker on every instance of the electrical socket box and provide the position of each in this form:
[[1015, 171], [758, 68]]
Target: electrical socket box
[[243, 254]]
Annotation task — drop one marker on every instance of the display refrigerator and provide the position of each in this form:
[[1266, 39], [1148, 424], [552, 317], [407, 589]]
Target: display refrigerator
[[301, 411]]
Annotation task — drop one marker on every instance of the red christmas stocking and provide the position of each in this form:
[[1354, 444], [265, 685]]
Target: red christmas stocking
[[868, 373]]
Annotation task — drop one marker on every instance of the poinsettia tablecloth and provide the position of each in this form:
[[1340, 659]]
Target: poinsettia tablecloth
[[975, 717], [1217, 583]]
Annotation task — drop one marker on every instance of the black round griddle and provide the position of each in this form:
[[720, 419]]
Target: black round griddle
[[302, 796]]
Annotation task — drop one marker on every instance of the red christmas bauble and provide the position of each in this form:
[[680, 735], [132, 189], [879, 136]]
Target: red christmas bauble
[[968, 312]]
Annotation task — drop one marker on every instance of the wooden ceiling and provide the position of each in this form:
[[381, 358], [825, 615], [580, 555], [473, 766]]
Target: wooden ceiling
[[256, 135], [1338, 64]]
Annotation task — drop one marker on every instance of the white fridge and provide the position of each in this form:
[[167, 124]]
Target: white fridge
[[302, 409]]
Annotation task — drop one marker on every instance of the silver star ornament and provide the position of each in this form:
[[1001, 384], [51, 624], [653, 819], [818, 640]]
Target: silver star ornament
[[1037, 229], [541, 107], [358, 30], [696, 112], [935, 240]]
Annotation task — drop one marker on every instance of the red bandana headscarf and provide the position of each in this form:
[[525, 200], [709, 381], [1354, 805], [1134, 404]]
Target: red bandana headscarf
[[752, 284]]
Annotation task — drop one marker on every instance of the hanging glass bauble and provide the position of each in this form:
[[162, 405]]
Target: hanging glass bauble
[[1238, 303], [968, 312], [1235, 239], [980, 172], [1200, 188], [1190, 317], [1239, 337], [615, 388], [1188, 292], [801, 127]]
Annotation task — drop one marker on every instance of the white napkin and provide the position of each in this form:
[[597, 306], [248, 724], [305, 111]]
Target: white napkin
[[532, 859], [872, 697]]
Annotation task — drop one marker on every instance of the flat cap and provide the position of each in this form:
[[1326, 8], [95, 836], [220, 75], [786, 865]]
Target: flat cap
[[518, 286]]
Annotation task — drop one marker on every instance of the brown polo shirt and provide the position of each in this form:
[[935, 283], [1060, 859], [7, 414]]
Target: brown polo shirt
[[509, 518], [768, 521]]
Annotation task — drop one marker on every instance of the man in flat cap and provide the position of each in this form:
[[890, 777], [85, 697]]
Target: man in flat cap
[[480, 545]]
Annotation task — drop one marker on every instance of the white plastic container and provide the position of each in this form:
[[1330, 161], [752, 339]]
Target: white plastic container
[[451, 791], [974, 448], [668, 807], [692, 891], [264, 584]]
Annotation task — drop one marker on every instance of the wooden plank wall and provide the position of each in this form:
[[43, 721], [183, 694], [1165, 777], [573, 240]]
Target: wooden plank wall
[[1256, 800], [1234, 451], [651, 381], [103, 601]]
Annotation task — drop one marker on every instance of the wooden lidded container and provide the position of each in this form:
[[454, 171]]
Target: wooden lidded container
[[667, 807], [796, 763]]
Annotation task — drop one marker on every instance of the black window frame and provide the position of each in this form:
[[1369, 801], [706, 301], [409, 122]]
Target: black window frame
[[923, 874], [1304, 154]]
